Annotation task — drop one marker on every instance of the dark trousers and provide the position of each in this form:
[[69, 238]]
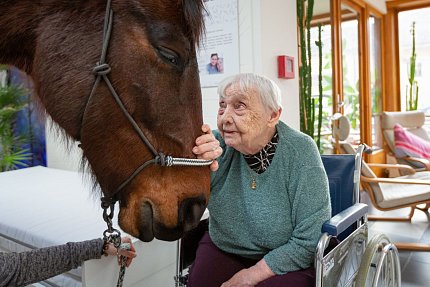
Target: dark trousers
[[213, 267]]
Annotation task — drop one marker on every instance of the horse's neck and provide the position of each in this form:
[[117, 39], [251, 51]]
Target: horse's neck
[[18, 30]]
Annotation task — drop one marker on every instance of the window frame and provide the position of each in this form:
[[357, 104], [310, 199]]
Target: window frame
[[391, 42]]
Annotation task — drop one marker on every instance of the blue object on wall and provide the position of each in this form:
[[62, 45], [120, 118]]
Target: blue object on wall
[[29, 121]]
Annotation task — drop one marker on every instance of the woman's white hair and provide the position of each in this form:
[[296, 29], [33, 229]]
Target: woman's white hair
[[267, 90]]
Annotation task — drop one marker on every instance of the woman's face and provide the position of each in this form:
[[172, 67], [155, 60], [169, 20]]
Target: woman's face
[[214, 60], [243, 121]]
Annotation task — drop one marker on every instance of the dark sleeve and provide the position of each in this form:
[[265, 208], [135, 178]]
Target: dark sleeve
[[20, 269]]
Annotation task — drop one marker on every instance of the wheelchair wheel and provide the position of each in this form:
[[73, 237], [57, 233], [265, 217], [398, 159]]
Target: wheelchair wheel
[[380, 264]]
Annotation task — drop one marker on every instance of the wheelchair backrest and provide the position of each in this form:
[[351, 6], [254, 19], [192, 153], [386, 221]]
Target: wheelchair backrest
[[340, 173]]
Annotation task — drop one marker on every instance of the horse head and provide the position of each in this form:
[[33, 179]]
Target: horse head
[[153, 69]]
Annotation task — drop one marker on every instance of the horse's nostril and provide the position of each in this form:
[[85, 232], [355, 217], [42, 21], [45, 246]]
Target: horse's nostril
[[191, 211], [189, 214], [146, 227]]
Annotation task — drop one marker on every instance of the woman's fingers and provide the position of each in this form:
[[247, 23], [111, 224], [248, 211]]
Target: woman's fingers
[[206, 128], [206, 138], [207, 147], [129, 254], [214, 166]]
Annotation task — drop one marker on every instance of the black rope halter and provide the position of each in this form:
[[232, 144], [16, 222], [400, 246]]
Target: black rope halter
[[101, 71]]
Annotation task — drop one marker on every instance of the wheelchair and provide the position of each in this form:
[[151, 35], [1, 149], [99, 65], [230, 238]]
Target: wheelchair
[[344, 256]]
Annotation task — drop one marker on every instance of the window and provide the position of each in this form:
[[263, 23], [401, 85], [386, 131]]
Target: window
[[352, 66], [326, 81], [407, 21], [351, 70]]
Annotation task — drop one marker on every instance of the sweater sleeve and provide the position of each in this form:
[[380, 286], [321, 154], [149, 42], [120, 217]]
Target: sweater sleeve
[[310, 209], [20, 269]]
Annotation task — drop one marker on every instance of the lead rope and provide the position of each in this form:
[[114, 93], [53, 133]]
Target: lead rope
[[112, 235], [123, 261]]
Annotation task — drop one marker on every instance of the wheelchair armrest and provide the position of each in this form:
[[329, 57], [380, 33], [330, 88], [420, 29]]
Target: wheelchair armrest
[[341, 221]]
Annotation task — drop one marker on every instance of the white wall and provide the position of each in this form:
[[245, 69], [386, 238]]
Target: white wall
[[279, 37], [267, 28], [58, 155], [378, 4]]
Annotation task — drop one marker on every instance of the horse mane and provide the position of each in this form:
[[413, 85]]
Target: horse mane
[[193, 15]]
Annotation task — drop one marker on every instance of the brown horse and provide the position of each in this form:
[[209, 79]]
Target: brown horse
[[152, 68]]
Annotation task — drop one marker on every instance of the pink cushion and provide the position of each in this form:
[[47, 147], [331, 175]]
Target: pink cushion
[[408, 144]]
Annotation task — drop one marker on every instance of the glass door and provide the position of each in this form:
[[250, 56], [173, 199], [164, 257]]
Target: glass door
[[349, 101], [347, 67]]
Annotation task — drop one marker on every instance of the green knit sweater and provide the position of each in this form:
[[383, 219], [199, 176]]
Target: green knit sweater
[[281, 219]]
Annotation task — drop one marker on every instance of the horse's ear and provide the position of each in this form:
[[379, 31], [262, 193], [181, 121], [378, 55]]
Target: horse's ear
[[193, 14]]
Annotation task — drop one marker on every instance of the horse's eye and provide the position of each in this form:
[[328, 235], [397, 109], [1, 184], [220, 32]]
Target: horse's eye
[[169, 55]]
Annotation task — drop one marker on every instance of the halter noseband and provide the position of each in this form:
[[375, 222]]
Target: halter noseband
[[101, 70]]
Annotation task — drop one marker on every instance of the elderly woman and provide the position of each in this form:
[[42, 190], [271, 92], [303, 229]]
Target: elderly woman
[[269, 196]]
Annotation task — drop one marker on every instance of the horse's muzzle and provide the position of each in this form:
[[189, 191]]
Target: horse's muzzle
[[189, 215]]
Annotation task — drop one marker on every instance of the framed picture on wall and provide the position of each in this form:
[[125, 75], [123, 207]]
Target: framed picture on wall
[[218, 56]]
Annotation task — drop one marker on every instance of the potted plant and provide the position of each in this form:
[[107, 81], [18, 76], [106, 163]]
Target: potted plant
[[12, 154], [309, 118], [412, 88]]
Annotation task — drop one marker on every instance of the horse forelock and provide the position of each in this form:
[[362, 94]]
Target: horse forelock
[[193, 15]]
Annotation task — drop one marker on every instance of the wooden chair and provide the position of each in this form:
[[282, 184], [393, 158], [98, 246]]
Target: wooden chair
[[395, 193], [413, 121]]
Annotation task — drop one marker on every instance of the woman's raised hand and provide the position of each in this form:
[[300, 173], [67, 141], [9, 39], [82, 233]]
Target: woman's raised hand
[[207, 147]]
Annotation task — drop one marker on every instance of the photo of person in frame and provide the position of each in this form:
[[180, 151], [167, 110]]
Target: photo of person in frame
[[215, 65]]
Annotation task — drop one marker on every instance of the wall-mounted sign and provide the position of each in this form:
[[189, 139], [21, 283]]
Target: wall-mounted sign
[[285, 67], [218, 56]]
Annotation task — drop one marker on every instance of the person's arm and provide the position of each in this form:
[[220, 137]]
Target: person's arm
[[20, 269]]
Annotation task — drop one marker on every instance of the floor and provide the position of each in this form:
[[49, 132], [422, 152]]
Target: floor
[[415, 266]]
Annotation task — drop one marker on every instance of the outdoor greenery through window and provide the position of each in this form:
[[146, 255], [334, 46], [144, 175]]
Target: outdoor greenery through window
[[327, 100], [417, 22], [351, 71]]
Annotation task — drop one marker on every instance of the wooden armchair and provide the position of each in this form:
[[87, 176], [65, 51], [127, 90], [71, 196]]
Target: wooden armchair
[[394, 193], [413, 122]]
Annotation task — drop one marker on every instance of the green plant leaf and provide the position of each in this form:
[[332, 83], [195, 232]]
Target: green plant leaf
[[12, 100], [13, 160]]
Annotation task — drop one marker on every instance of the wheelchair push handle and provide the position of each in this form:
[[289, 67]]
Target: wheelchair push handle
[[364, 148], [357, 173]]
